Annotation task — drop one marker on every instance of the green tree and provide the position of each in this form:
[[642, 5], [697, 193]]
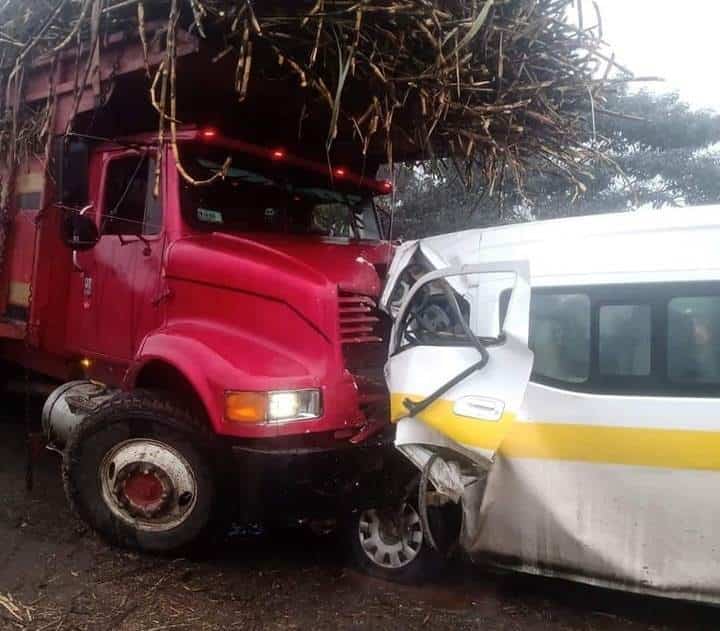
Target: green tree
[[665, 153]]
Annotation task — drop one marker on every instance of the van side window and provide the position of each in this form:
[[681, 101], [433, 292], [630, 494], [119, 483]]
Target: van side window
[[693, 340], [130, 207], [624, 341], [654, 339], [560, 336]]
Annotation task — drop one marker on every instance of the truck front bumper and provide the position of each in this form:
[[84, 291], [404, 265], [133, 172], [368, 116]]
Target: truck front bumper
[[325, 478]]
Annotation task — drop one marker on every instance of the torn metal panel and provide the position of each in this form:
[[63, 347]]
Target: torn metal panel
[[415, 371], [441, 252]]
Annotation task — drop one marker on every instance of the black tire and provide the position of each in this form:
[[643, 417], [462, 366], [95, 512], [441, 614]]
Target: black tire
[[427, 564], [132, 418]]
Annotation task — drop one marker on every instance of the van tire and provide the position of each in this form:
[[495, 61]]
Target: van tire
[[137, 471], [426, 563]]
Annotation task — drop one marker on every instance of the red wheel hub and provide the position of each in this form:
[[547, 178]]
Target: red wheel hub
[[147, 484], [144, 491]]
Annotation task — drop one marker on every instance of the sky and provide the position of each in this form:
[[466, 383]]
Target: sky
[[679, 41]]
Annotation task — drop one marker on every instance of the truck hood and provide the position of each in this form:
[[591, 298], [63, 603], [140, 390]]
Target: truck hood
[[354, 266], [232, 260]]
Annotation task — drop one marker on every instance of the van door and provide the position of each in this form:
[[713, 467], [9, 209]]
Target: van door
[[456, 375]]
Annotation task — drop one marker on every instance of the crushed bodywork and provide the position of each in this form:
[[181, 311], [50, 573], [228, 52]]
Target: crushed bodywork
[[582, 497]]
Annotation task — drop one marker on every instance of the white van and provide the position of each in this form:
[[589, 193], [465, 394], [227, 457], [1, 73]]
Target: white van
[[561, 380]]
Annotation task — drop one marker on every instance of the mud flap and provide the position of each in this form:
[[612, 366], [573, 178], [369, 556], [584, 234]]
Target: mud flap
[[448, 395]]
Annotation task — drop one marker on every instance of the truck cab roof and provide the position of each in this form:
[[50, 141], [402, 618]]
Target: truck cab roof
[[277, 157]]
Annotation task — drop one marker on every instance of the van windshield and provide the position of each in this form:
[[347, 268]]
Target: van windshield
[[251, 198]]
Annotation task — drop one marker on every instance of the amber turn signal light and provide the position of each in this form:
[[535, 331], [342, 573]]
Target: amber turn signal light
[[246, 407]]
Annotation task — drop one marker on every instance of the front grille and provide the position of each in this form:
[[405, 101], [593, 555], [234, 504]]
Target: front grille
[[364, 334], [359, 319]]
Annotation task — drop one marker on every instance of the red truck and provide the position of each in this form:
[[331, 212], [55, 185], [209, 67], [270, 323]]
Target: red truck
[[213, 344]]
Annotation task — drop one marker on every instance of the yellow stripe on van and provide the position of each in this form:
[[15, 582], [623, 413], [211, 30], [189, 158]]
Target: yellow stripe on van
[[468, 431], [639, 446]]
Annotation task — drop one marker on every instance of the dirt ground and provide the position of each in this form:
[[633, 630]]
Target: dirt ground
[[54, 575]]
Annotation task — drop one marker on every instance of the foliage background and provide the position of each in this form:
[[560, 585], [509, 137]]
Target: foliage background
[[669, 153]]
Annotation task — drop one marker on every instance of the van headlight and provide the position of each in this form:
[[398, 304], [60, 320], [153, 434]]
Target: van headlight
[[294, 405]]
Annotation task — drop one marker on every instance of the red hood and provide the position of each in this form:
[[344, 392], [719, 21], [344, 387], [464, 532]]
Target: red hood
[[291, 261], [354, 266]]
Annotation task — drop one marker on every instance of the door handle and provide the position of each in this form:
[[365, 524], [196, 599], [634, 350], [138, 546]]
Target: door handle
[[75, 262], [482, 408]]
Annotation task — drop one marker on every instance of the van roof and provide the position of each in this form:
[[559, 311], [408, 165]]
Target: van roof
[[634, 221], [669, 245]]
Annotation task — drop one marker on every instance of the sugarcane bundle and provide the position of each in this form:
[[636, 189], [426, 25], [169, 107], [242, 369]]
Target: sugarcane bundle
[[500, 87]]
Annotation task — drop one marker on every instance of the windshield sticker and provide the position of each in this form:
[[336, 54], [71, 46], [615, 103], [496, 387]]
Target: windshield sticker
[[209, 216]]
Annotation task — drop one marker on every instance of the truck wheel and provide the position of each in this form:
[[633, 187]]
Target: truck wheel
[[390, 543], [136, 471]]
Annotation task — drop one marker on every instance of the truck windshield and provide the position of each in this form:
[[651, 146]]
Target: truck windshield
[[251, 198]]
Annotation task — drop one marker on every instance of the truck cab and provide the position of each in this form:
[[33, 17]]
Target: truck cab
[[198, 299], [259, 276]]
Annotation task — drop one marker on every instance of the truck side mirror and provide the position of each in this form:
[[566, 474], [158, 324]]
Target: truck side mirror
[[79, 231], [72, 171]]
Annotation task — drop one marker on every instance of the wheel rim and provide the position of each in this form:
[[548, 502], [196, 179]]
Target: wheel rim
[[391, 539], [148, 484]]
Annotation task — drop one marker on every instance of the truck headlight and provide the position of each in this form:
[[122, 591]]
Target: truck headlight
[[273, 407], [294, 405]]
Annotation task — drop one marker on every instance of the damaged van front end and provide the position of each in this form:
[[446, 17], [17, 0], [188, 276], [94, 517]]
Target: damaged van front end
[[456, 378], [561, 469]]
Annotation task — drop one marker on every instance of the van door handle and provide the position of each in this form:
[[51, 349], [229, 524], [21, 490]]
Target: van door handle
[[482, 408]]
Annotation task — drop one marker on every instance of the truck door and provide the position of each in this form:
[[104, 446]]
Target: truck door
[[120, 276], [456, 373]]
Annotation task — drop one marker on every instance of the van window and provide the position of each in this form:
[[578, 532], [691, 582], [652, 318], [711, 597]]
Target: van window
[[624, 340], [560, 336], [693, 340], [130, 206], [653, 339], [431, 319]]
